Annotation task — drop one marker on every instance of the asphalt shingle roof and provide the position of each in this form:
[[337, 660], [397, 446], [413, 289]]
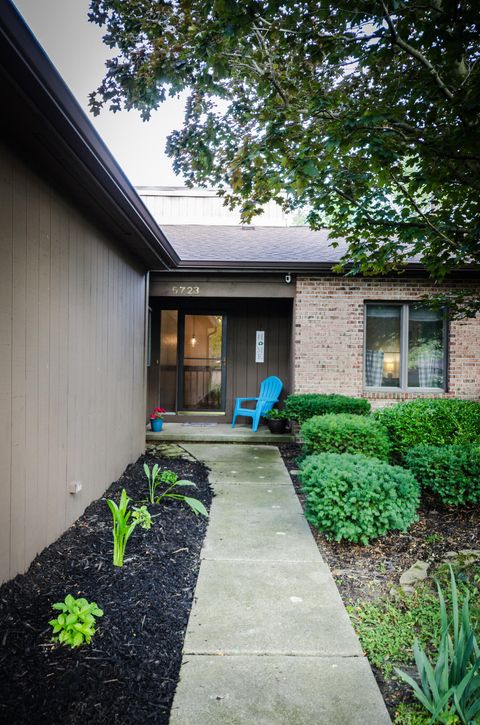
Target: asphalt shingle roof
[[195, 242]]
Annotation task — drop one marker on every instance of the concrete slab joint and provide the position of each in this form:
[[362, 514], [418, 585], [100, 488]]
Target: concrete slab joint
[[268, 641]]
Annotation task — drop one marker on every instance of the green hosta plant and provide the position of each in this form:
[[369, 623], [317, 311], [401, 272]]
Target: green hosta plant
[[451, 686], [124, 523], [170, 478], [75, 625]]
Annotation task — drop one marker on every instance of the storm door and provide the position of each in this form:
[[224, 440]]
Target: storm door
[[202, 363]]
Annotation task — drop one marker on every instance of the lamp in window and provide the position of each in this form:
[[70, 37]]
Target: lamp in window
[[390, 363], [193, 340]]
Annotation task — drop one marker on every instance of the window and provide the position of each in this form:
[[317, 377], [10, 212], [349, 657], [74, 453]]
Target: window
[[404, 347]]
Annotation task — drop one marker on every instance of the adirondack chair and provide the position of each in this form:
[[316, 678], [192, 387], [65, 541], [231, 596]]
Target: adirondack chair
[[270, 390]]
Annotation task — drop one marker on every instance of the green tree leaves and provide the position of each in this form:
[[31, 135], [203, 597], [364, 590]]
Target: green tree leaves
[[369, 116]]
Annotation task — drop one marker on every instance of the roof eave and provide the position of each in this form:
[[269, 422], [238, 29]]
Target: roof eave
[[41, 88]]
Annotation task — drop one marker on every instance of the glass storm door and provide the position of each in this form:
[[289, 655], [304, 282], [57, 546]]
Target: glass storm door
[[202, 370]]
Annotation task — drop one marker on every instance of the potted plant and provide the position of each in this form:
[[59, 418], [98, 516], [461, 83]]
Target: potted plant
[[276, 420], [156, 419]]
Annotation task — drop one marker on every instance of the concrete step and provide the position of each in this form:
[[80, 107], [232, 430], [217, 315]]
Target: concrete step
[[219, 433]]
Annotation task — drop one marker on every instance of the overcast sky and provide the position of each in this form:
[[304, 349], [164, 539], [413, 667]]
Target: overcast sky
[[75, 47]]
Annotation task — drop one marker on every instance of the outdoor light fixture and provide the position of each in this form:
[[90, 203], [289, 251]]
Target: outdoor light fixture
[[193, 341]]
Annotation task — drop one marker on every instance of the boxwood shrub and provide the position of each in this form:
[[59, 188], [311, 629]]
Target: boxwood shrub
[[451, 472], [357, 498], [345, 433], [302, 407], [431, 421]]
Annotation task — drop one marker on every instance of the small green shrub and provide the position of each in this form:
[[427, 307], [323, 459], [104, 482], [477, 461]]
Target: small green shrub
[[122, 529], [435, 422], [357, 498], [276, 414], [76, 623], [345, 433], [155, 478], [302, 407], [451, 472]]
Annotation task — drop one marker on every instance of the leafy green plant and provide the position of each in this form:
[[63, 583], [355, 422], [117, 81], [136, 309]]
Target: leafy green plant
[[276, 414], [408, 714], [122, 529], [385, 626], [76, 623], [155, 478], [452, 684], [302, 407], [452, 472], [345, 433], [435, 422], [357, 498]]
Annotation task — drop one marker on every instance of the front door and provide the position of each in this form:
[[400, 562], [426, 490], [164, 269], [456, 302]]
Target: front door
[[202, 363]]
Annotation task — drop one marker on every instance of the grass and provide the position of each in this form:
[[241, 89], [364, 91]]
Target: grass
[[388, 626]]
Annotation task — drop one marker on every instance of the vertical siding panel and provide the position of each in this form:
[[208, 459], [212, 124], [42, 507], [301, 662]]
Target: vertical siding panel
[[6, 255], [58, 330], [18, 477], [33, 540], [73, 362], [43, 365]]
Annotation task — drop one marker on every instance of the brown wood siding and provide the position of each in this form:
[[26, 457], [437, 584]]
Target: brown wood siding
[[72, 380], [244, 375]]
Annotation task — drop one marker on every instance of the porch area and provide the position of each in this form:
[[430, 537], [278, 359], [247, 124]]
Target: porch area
[[174, 432]]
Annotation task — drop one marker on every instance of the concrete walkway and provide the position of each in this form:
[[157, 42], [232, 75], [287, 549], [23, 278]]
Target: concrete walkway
[[268, 641]]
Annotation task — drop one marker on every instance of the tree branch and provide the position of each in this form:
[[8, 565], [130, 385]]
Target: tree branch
[[397, 40]]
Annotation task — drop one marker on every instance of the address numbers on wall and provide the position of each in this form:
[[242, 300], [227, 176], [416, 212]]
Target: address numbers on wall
[[185, 290]]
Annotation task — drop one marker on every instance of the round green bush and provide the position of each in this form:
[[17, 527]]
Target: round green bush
[[451, 472], [345, 433], [302, 407], [435, 422], [357, 498]]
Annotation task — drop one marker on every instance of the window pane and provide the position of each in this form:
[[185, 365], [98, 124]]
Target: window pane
[[425, 348], [168, 359], [382, 356], [202, 364]]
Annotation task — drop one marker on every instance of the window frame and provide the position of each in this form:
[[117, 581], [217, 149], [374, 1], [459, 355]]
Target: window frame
[[404, 320]]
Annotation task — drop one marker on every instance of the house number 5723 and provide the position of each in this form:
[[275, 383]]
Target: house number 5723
[[185, 290]]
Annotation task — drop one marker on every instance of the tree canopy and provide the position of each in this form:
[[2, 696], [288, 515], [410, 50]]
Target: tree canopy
[[365, 112]]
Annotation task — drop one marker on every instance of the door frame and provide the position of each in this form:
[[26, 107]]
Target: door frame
[[181, 358]]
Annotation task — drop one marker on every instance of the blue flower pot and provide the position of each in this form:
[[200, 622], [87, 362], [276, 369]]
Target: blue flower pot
[[157, 424]]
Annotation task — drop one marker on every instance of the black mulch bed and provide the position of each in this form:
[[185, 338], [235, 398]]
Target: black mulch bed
[[367, 572], [130, 671]]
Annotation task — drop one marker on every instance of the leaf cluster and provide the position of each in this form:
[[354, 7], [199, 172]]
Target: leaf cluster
[[451, 472], [76, 623], [303, 406], [155, 478], [124, 523], [429, 421], [450, 686], [356, 498], [345, 433]]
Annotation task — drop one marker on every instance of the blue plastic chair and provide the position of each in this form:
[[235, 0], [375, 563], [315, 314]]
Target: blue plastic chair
[[270, 390]]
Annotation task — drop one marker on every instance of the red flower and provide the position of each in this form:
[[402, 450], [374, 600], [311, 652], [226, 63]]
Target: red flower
[[158, 413]]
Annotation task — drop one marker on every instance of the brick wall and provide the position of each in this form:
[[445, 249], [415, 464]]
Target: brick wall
[[328, 339]]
